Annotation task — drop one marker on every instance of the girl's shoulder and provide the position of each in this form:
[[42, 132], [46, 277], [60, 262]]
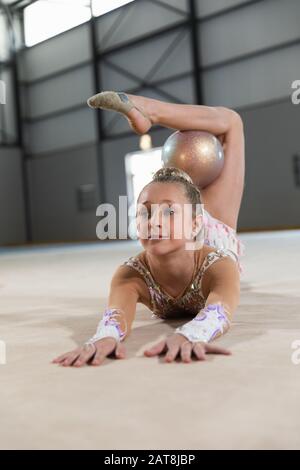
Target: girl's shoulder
[[203, 253], [134, 271], [126, 271], [134, 268], [212, 254], [134, 261], [212, 269]]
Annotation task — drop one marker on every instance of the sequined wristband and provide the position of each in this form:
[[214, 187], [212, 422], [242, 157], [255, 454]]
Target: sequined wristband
[[109, 326], [208, 323]]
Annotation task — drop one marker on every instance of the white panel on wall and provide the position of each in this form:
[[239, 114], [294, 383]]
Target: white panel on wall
[[259, 79], [56, 54], [134, 20], [208, 7], [60, 92], [4, 39], [140, 60], [258, 26], [68, 130], [2, 99], [9, 122]]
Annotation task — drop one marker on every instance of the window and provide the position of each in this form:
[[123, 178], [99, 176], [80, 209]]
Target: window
[[140, 168], [47, 18]]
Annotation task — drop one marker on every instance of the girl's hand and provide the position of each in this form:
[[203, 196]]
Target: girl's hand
[[179, 344], [92, 354]]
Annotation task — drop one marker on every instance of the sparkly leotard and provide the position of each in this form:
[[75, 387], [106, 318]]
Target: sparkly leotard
[[164, 305], [217, 235]]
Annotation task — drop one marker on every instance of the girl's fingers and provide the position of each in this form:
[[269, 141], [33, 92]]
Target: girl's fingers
[[199, 352], [212, 349], [172, 353], [98, 358], [70, 359], [120, 351], [60, 358], [84, 356], [185, 353], [96, 351], [156, 349], [102, 352]]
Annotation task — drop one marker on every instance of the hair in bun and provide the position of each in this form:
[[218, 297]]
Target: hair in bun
[[170, 174]]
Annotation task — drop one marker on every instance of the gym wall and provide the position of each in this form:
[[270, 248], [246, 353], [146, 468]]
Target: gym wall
[[247, 59]]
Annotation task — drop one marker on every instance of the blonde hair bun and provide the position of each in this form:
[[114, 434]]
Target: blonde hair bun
[[171, 173]]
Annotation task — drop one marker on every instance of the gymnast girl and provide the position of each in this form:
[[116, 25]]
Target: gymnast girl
[[200, 286]]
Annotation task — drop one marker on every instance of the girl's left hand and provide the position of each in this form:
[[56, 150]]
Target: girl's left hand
[[179, 344]]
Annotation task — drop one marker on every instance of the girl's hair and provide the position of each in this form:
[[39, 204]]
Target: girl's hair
[[170, 174]]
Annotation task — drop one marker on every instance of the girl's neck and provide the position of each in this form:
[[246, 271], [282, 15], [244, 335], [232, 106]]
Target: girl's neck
[[178, 265]]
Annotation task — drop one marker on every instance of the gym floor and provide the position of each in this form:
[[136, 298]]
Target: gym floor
[[51, 299]]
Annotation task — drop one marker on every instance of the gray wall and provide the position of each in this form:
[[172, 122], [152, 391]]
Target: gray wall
[[271, 197], [54, 181], [248, 53], [12, 216]]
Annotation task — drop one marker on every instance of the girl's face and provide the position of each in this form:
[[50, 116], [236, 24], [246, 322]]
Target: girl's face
[[164, 218]]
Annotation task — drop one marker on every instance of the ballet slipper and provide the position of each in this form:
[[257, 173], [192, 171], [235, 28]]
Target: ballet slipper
[[121, 103]]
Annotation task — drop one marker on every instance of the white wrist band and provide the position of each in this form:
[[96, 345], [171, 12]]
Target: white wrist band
[[207, 324], [109, 326]]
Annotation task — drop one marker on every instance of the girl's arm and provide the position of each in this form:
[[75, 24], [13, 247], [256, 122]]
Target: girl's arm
[[221, 283], [123, 297], [221, 288], [119, 314]]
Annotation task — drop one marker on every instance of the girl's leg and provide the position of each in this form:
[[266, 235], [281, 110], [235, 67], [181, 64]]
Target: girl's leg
[[222, 198], [180, 116]]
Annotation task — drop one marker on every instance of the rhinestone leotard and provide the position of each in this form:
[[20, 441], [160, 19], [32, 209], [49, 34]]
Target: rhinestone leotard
[[220, 235], [163, 305]]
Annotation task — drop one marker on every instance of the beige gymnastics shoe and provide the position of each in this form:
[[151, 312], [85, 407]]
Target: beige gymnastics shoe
[[121, 103]]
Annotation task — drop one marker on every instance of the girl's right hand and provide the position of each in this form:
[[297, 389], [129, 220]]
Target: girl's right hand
[[92, 354]]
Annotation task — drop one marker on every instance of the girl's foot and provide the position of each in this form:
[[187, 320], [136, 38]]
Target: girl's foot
[[134, 108]]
